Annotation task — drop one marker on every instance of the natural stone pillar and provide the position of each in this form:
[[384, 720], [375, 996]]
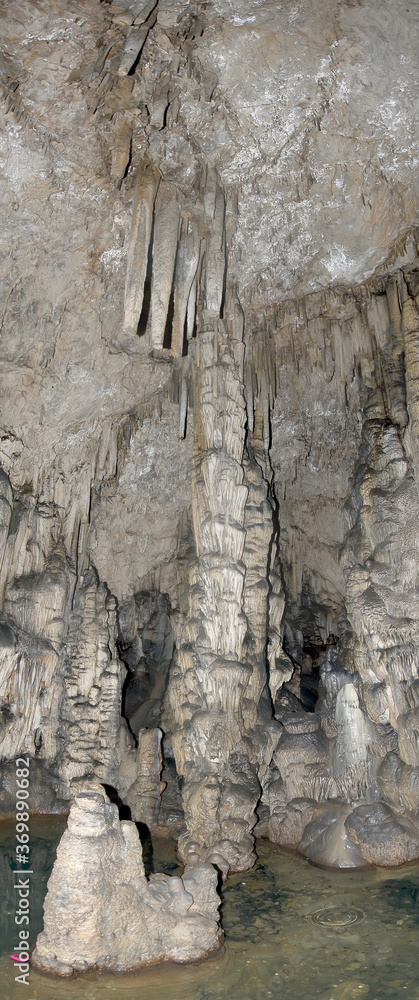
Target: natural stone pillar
[[220, 786], [101, 911]]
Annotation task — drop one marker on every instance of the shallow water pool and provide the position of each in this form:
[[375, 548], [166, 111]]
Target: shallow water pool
[[292, 931]]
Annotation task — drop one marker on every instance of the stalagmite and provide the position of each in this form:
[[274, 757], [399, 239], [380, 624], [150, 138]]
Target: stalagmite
[[93, 733], [141, 227], [102, 913], [325, 840], [143, 795], [351, 761]]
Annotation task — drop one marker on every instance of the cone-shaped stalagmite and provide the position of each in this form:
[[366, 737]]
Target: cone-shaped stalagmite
[[102, 912]]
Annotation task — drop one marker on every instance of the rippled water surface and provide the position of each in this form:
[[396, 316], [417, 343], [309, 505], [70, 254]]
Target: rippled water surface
[[292, 931]]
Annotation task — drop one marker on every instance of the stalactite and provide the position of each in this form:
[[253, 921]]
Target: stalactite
[[6, 505], [134, 44], [31, 680], [410, 332], [398, 411], [166, 233], [160, 102], [210, 192], [183, 409], [248, 387], [121, 150], [384, 319], [142, 220], [141, 11], [191, 315], [187, 260], [216, 262]]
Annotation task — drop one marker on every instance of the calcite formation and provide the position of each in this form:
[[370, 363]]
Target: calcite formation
[[209, 446], [101, 911]]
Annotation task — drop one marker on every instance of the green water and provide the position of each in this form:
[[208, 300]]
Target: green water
[[292, 931]]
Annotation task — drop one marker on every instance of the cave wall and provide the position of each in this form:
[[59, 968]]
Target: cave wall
[[209, 431]]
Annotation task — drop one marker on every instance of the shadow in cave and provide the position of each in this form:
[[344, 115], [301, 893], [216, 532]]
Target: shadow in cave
[[143, 831], [145, 311], [168, 330], [129, 679], [147, 655]]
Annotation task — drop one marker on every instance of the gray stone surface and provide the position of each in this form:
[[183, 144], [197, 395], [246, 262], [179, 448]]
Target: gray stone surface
[[382, 837], [288, 829]]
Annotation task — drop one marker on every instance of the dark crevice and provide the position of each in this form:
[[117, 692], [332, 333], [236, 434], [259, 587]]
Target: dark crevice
[[143, 831], [145, 311], [185, 345], [146, 655], [168, 330], [125, 688]]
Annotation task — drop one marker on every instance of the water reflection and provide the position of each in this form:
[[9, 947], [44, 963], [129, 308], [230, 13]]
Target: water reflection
[[292, 931]]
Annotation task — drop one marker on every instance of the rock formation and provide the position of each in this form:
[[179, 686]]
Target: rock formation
[[209, 446], [101, 912]]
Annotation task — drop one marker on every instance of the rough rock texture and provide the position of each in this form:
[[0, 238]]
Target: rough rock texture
[[382, 838], [209, 442], [326, 839], [101, 912]]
